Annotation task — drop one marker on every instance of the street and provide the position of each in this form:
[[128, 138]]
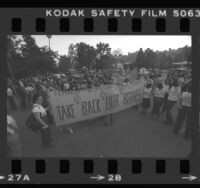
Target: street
[[131, 135]]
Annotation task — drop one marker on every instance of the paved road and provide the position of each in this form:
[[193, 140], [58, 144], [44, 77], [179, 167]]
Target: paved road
[[131, 135]]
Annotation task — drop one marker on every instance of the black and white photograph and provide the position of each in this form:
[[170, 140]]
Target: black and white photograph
[[99, 96]]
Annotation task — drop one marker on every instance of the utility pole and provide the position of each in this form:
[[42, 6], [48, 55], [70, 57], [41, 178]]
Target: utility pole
[[49, 37]]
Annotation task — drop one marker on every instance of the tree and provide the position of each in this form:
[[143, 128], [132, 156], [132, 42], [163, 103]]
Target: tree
[[102, 49], [72, 54], [27, 59], [140, 59], [49, 59], [13, 56], [29, 46], [106, 62], [117, 53], [64, 64], [103, 55], [150, 58], [85, 55]]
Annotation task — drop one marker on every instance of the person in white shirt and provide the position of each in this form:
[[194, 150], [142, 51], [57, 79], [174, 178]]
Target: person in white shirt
[[13, 138], [159, 94], [185, 104], [11, 99], [66, 86], [147, 97], [29, 94], [40, 114], [173, 95]]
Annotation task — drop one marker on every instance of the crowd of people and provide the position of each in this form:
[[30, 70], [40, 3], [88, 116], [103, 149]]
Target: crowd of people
[[163, 94], [25, 88], [32, 93]]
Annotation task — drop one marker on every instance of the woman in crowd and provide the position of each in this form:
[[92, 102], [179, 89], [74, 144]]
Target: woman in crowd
[[173, 94], [184, 112], [159, 94], [13, 138], [40, 115]]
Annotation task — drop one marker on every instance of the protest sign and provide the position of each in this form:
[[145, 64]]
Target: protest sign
[[73, 106]]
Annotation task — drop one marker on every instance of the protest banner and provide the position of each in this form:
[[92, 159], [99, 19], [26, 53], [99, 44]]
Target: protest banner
[[73, 106]]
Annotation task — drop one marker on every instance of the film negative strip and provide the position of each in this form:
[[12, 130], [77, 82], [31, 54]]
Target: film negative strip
[[100, 95]]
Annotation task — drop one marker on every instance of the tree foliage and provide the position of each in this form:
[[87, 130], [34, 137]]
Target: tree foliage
[[162, 59], [26, 58], [64, 64]]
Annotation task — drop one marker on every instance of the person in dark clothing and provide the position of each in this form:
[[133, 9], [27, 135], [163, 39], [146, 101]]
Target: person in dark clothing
[[41, 116], [22, 94]]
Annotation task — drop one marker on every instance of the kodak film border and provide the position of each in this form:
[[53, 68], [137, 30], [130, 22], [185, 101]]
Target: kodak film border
[[115, 170]]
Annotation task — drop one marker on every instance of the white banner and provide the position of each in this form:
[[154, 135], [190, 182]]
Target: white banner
[[73, 106]]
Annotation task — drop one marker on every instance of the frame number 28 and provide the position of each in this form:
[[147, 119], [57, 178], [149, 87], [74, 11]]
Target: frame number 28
[[114, 177]]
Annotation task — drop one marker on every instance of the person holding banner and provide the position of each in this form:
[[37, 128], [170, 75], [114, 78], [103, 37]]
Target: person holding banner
[[40, 114]]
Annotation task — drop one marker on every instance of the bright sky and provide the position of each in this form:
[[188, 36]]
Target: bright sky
[[127, 43]]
